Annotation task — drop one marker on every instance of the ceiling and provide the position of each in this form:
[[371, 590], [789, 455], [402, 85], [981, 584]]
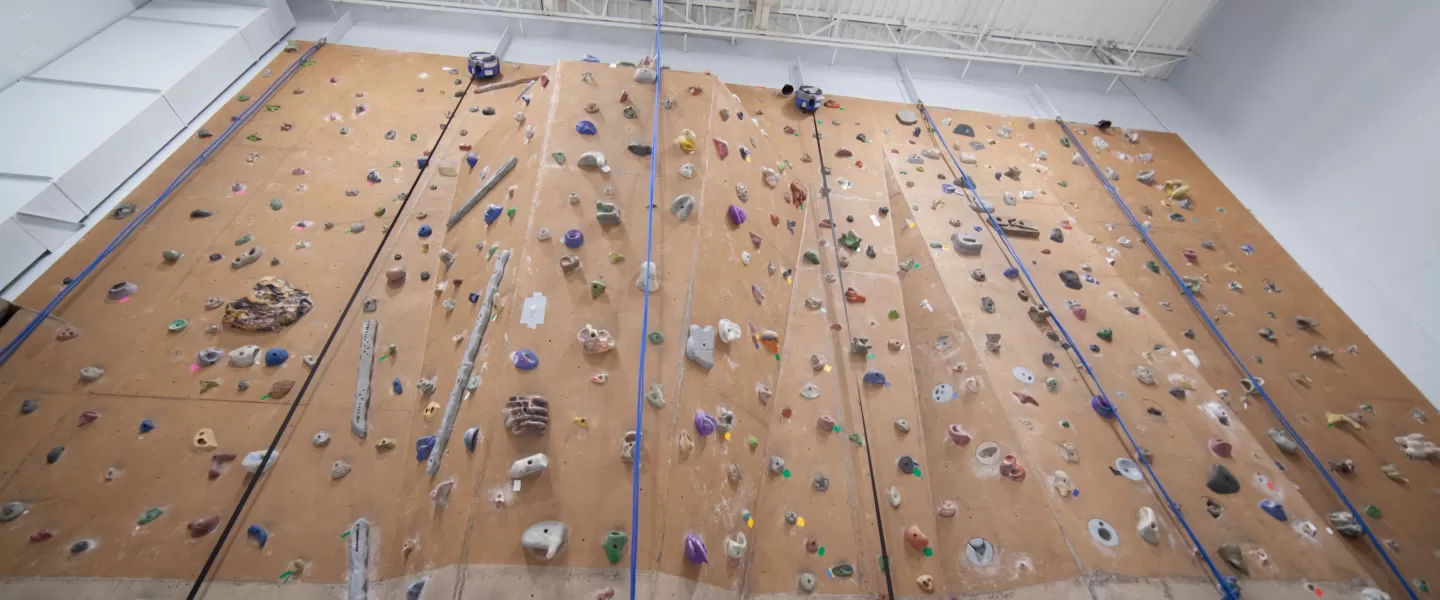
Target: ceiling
[[1122, 37]]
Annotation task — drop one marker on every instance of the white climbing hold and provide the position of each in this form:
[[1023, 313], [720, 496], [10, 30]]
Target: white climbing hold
[[729, 331]]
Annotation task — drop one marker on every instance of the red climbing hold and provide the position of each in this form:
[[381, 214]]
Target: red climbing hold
[[42, 535], [785, 413], [853, 296], [775, 220], [722, 148], [87, 418], [832, 104], [218, 461], [1190, 255], [624, 96], [1025, 398]]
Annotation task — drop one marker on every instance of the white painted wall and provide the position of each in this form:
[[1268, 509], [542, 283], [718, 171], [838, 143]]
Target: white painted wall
[[1330, 106], [35, 32]]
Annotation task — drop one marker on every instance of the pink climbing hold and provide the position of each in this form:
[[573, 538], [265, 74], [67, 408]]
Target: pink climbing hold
[[203, 526], [722, 148], [87, 418], [1010, 467], [756, 239], [1078, 311], [1190, 255], [958, 434], [1220, 448]]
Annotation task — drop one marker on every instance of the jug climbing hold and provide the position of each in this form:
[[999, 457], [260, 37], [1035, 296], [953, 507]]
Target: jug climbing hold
[[524, 359], [704, 423], [1102, 407], [530, 465], [1220, 448], [121, 291], [695, 550], [1011, 468], [1232, 555], [958, 435], [544, 539], [1148, 527], [259, 533]]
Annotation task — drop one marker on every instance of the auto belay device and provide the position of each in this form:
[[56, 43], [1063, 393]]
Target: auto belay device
[[808, 98], [484, 65]]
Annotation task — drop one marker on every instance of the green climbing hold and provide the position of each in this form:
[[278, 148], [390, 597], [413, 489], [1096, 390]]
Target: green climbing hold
[[919, 169], [178, 325], [244, 239], [491, 253], [150, 515], [1065, 142], [850, 240], [753, 441], [414, 137], [1063, 183], [272, 107], [597, 287], [252, 137], [1105, 334], [380, 212], [1270, 314], [559, 157], [344, 131], [243, 98], [510, 213], [615, 545], [894, 314], [276, 204], [811, 257], [1373, 511], [855, 437], [843, 570], [1153, 266], [936, 245], [625, 63], [656, 337]]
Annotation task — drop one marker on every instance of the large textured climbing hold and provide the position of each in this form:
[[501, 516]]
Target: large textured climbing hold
[[700, 346], [1285, 444], [1344, 523], [682, 206], [544, 539], [695, 550], [271, 305], [530, 465], [527, 414], [1222, 481]]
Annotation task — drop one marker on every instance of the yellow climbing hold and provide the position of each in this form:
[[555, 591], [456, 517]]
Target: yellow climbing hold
[[686, 140]]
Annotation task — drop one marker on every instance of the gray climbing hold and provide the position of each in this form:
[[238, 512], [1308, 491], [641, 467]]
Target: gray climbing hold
[[530, 465], [607, 213], [12, 510], [339, 469], [965, 243], [682, 206], [1221, 481], [544, 539], [777, 464], [906, 117], [700, 346], [171, 256], [412, 591], [806, 582], [321, 439], [1285, 444], [648, 280], [244, 356], [249, 256], [91, 373], [645, 75]]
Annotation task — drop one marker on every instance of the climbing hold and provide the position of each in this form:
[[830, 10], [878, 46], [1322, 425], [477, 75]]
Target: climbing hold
[[261, 536], [544, 539], [275, 357], [585, 128], [700, 346], [1221, 481], [203, 526], [251, 462], [524, 359], [656, 337], [875, 377], [1071, 279], [735, 214], [1233, 556], [704, 423], [729, 331], [958, 434], [1105, 334], [1285, 444], [965, 243], [1102, 406], [1274, 509], [530, 465], [1220, 448], [526, 414], [894, 497]]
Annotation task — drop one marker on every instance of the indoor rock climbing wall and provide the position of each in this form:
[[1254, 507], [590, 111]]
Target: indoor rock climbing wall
[[838, 394]]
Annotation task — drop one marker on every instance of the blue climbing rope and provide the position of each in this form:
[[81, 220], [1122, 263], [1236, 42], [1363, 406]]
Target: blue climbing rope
[[1229, 593], [644, 322], [1194, 303], [235, 123]]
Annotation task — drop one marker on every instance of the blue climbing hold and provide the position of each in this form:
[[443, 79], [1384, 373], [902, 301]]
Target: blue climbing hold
[[395, 385], [423, 447], [589, 58], [585, 128], [976, 228], [524, 360], [947, 188], [492, 212], [425, 231], [471, 159], [275, 357], [574, 238], [1011, 272], [472, 435], [147, 426], [1102, 407], [474, 297], [875, 377], [422, 162], [261, 536], [1274, 509]]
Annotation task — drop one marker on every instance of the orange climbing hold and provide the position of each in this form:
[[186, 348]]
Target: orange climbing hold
[[853, 296], [832, 104], [916, 538]]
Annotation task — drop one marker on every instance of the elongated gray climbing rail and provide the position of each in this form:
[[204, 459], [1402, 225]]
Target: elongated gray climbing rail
[[467, 363], [357, 547], [480, 193], [360, 420]]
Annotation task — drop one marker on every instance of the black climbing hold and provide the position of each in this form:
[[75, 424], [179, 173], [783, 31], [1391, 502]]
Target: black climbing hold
[[787, 90], [1094, 348], [915, 133], [1071, 279], [849, 218], [54, 454], [907, 465], [1104, 124], [1190, 333], [200, 213], [29, 406], [488, 111], [1222, 481], [424, 276], [1178, 392], [79, 546], [1154, 411], [216, 256], [66, 280]]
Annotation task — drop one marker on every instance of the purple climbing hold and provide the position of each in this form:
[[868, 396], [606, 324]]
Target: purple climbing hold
[[492, 212], [1274, 509], [736, 214], [474, 297], [423, 447], [524, 360], [585, 128], [695, 549], [947, 188], [1102, 407], [704, 423], [1011, 272], [875, 377], [574, 238]]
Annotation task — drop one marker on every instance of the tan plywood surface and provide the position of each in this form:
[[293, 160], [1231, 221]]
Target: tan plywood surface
[[1039, 538]]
